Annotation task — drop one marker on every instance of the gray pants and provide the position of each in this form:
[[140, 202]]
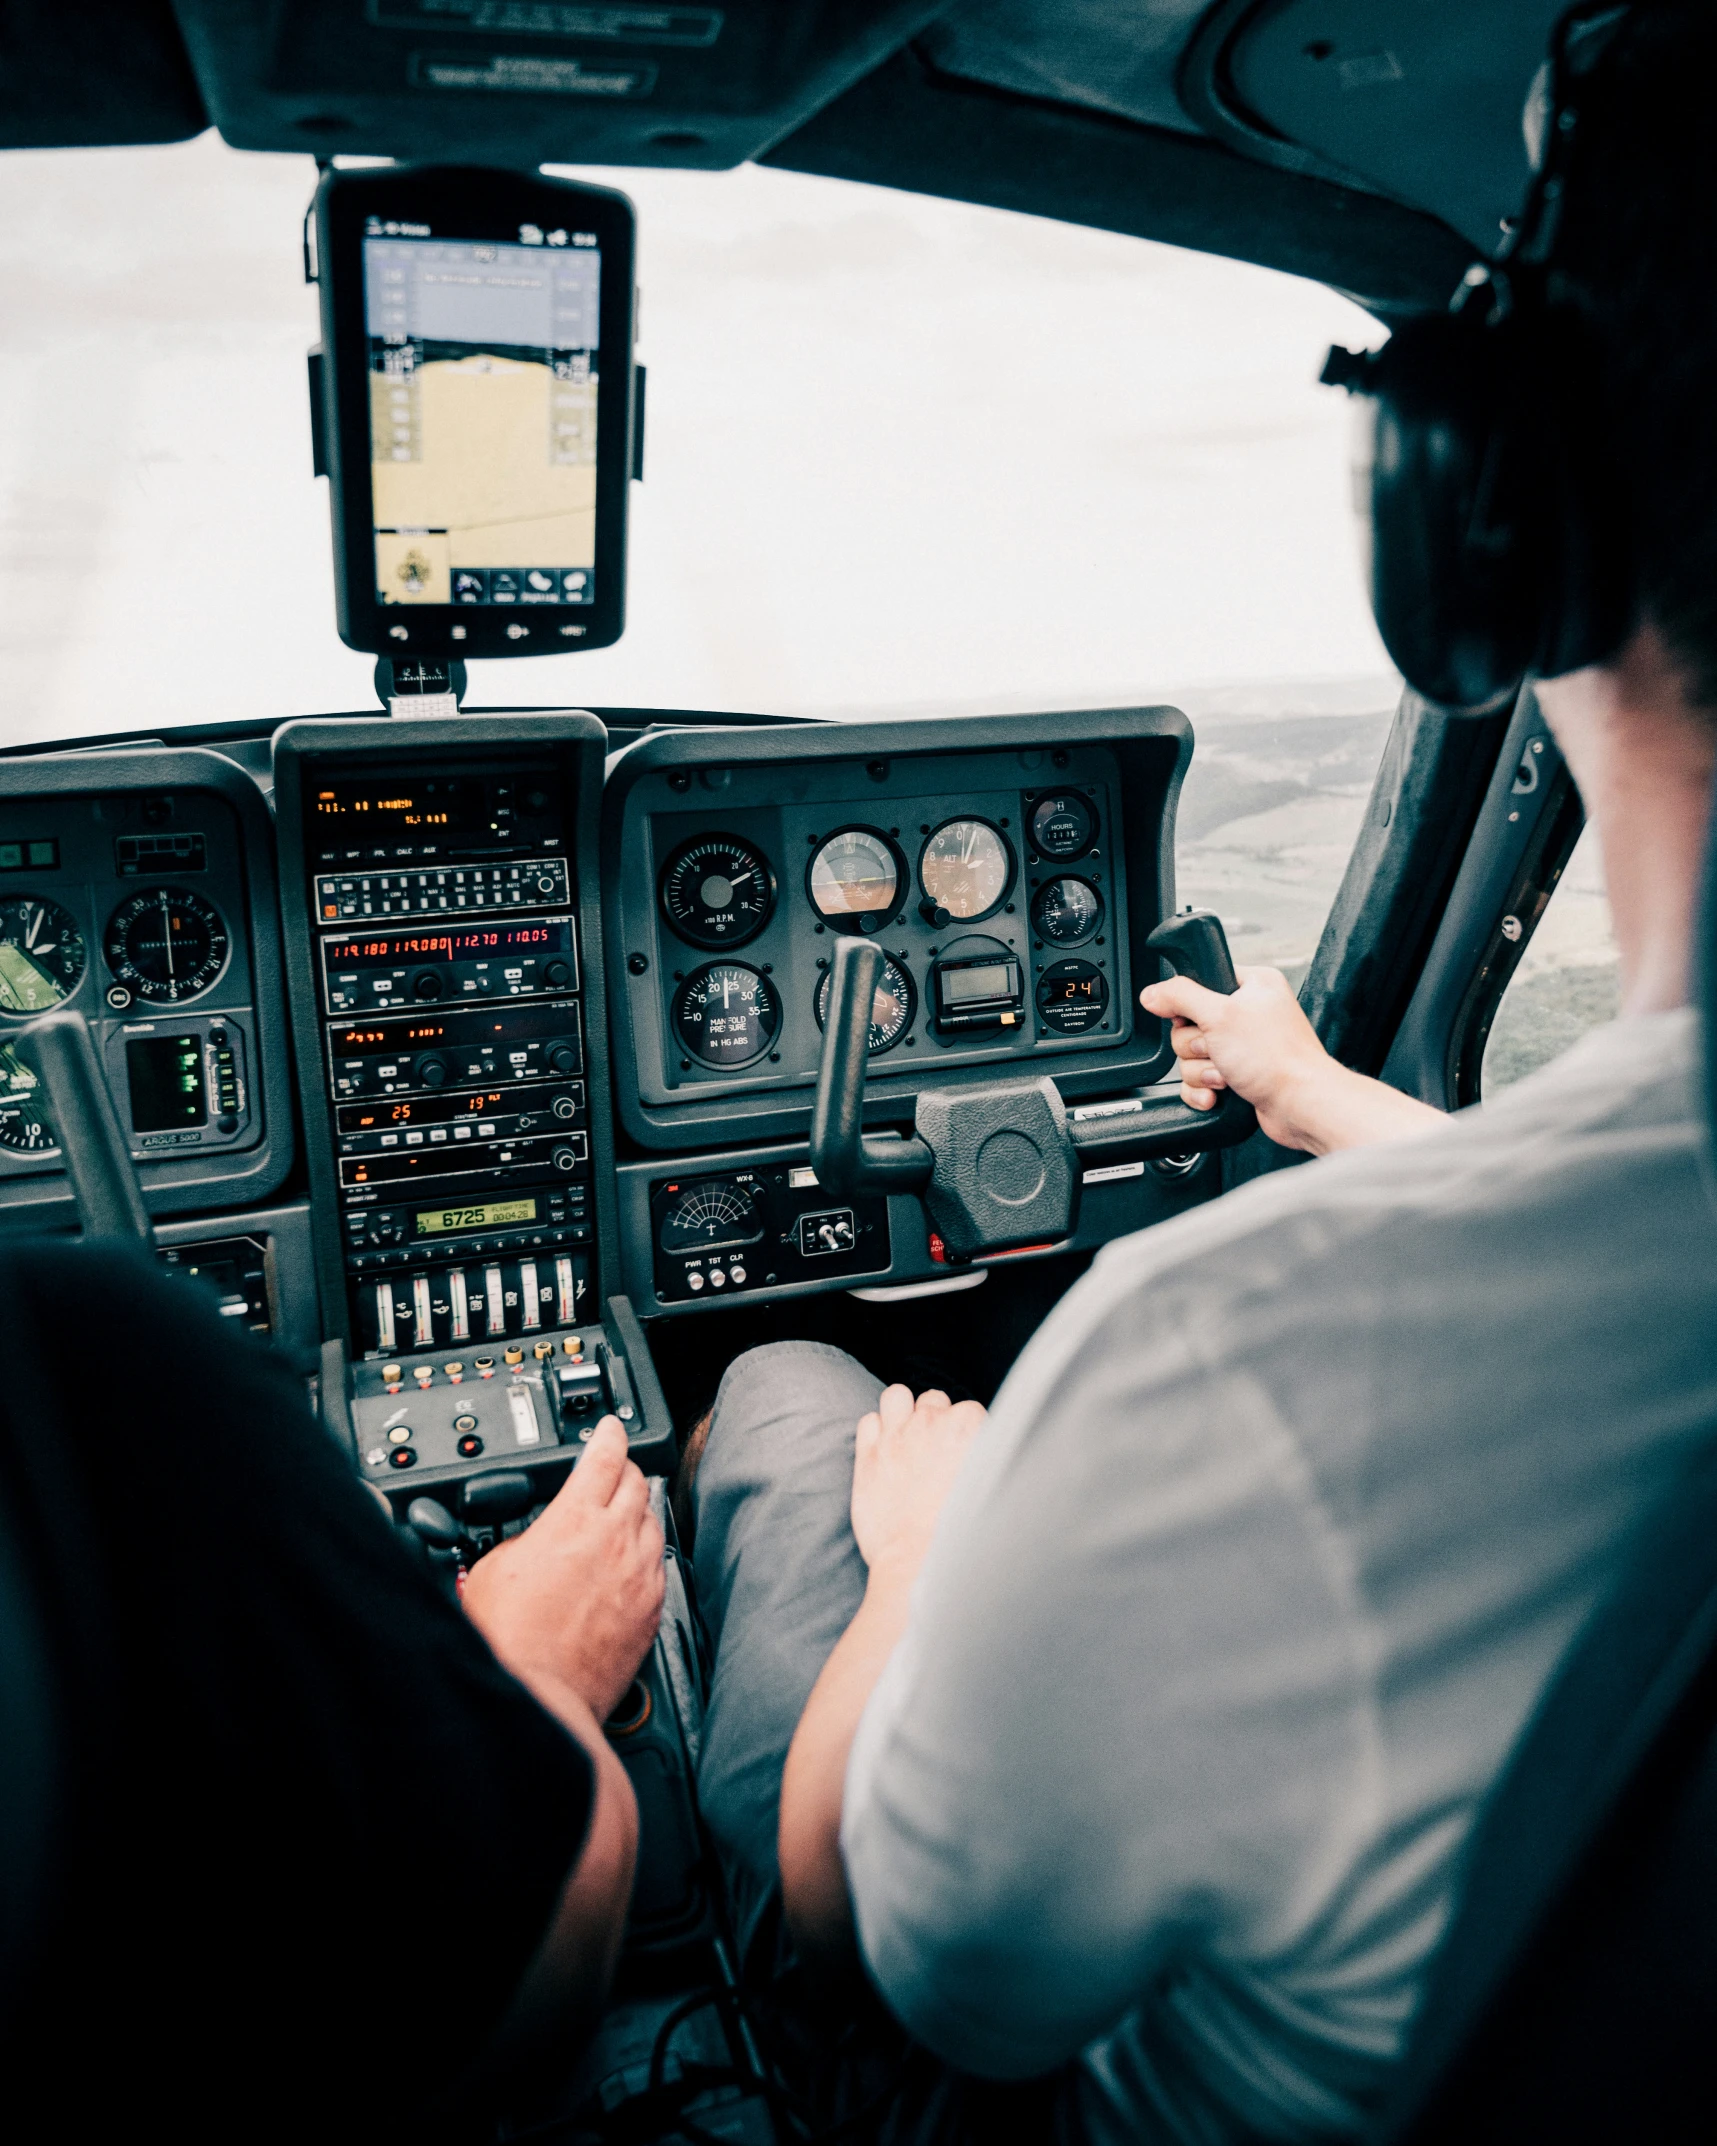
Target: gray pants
[[779, 1579]]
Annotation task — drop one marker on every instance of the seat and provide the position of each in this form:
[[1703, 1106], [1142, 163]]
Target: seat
[[1575, 1997]]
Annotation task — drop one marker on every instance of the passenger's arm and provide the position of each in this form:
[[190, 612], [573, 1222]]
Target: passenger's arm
[[571, 1607], [907, 1456], [1258, 1042]]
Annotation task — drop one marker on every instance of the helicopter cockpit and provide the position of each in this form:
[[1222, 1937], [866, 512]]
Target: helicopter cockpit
[[510, 1067]]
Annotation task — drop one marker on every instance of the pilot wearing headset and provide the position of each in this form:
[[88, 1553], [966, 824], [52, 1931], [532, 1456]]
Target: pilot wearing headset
[[1131, 1732]]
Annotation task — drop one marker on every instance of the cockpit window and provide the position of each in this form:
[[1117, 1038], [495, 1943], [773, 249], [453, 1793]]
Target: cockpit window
[[903, 455], [1568, 981]]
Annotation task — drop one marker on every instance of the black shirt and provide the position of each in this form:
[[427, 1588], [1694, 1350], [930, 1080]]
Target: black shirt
[[306, 1833]]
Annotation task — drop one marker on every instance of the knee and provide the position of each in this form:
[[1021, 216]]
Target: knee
[[796, 1379]]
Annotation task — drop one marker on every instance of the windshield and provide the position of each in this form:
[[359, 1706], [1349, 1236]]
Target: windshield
[[903, 456]]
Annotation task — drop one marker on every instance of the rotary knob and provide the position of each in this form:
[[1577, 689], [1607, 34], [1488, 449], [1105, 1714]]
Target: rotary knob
[[563, 1057], [431, 1071], [427, 984], [565, 1157], [558, 975]]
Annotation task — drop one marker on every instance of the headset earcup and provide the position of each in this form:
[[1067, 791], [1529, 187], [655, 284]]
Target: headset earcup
[[1589, 604], [1457, 578]]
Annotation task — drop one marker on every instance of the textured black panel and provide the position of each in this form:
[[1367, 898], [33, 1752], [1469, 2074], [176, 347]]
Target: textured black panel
[[908, 126], [76, 73], [471, 81]]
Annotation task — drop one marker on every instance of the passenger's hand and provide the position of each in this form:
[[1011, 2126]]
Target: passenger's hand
[[909, 1452], [575, 1600], [1257, 1041]]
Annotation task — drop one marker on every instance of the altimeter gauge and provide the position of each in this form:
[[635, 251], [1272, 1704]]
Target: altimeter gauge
[[42, 955], [966, 869], [167, 945]]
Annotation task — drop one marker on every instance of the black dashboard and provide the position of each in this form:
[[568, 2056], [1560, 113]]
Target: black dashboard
[[440, 1041]]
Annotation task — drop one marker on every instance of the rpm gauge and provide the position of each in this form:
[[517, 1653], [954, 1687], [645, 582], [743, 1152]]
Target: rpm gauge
[[891, 1008], [855, 879], [726, 1014], [967, 869], [42, 955], [24, 1126], [717, 890], [166, 945]]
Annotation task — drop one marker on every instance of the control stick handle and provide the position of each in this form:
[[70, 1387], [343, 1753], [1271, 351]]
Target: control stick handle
[[60, 1051], [845, 1157], [1195, 945]]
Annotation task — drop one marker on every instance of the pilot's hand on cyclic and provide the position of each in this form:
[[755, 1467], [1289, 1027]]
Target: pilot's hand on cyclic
[[1255, 1040], [575, 1600], [907, 1456]]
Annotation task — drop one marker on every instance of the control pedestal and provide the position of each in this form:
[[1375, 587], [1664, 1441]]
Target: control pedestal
[[447, 1422]]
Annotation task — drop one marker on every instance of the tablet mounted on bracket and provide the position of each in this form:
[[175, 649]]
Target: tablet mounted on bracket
[[476, 408]]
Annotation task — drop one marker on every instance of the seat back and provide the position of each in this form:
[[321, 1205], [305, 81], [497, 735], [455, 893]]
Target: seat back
[[1576, 1995]]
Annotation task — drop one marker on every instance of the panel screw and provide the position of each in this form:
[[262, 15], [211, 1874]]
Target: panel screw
[[1512, 929], [637, 963]]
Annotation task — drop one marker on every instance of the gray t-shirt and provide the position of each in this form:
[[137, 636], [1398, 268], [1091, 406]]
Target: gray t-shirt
[[1273, 1538]]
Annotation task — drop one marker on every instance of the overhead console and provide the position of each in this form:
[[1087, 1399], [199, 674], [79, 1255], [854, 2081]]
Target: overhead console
[[137, 888]]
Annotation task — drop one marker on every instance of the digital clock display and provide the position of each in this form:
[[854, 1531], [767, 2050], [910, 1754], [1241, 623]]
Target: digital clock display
[[490, 1214]]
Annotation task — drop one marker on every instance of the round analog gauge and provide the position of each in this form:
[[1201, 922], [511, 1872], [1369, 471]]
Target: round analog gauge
[[717, 890], [710, 1212], [1066, 910], [891, 1008], [1063, 824], [41, 955], [967, 869], [1072, 996], [24, 1126], [855, 879], [726, 1014], [167, 945]]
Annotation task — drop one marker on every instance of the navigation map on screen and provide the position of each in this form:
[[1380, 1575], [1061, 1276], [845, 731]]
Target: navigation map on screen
[[483, 374]]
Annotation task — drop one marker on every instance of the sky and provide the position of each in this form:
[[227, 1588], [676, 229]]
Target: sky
[[903, 455]]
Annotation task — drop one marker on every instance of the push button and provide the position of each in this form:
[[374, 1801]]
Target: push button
[[402, 1457], [470, 1445]]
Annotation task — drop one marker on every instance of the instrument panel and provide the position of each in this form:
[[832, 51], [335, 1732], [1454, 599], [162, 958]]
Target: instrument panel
[[1004, 880], [557, 1025], [129, 893]]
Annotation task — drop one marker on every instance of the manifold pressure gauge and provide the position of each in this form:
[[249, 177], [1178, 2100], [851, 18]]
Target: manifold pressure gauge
[[717, 890], [891, 1007], [41, 955], [166, 945], [726, 1014]]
